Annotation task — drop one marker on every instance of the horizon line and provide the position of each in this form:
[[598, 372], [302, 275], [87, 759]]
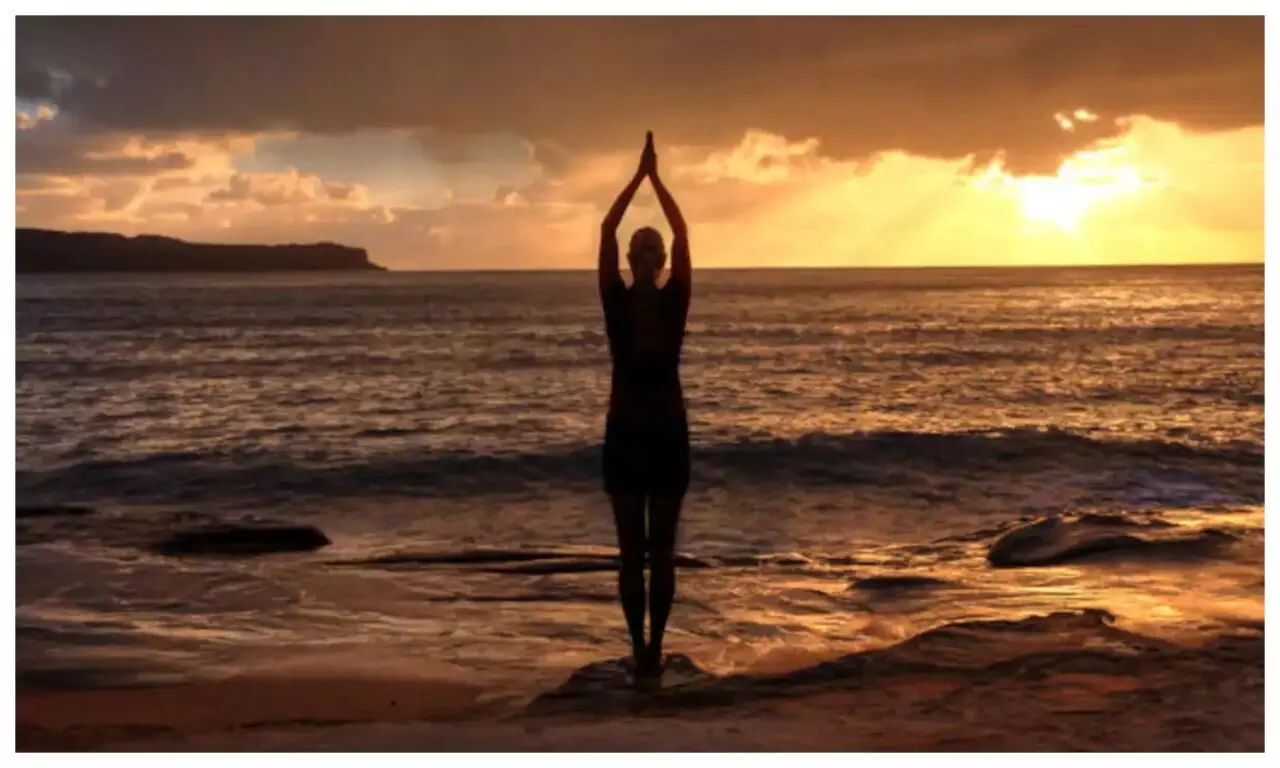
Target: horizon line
[[855, 268]]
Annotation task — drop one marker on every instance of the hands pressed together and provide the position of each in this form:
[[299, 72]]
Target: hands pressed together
[[648, 159]]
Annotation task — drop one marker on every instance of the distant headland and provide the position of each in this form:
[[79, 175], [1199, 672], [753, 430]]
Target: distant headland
[[44, 250]]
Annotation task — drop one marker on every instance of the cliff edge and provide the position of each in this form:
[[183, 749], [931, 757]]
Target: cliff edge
[[43, 250]]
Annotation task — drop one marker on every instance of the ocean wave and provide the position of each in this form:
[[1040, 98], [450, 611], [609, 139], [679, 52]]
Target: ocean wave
[[883, 458]]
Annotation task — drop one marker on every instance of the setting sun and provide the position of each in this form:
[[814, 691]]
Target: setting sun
[[1083, 182], [1064, 199]]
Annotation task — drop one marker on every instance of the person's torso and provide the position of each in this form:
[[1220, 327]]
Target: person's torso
[[646, 337]]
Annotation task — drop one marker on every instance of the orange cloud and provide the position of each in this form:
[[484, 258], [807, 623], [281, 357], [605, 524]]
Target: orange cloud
[[760, 158], [287, 187], [30, 120], [1155, 193], [1150, 191]]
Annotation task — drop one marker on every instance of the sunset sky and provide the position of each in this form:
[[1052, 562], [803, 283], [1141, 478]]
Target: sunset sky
[[498, 143]]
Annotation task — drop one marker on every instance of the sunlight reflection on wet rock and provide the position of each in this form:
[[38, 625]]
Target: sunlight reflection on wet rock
[[988, 652]]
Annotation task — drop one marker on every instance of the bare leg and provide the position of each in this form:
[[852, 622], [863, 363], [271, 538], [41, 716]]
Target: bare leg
[[664, 520], [628, 518]]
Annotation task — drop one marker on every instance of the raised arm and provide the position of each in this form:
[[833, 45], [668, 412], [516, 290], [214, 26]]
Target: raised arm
[[681, 265], [608, 268], [608, 272]]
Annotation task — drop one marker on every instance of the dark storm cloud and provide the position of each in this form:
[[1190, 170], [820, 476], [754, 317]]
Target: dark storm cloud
[[73, 156], [936, 87], [35, 84]]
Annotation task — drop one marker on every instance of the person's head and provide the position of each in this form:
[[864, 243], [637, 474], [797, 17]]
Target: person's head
[[647, 254]]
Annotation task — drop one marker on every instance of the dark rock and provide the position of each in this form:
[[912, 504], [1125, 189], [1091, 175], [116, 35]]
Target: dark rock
[[1056, 540], [42, 250], [26, 513], [244, 540], [887, 583], [604, 682]]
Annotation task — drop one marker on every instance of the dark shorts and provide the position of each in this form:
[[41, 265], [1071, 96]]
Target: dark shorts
[[650, 460]]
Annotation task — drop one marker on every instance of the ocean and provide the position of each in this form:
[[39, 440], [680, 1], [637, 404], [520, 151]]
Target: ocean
[[877, 455]]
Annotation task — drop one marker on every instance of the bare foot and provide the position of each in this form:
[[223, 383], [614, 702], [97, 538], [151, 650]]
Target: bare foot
[[648, 674], [649, 664], [633, 666]]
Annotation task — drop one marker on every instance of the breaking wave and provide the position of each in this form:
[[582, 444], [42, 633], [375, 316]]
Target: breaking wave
[[820, 459]]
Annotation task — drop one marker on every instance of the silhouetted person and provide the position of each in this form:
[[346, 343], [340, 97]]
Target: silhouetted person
[[646, 443]]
